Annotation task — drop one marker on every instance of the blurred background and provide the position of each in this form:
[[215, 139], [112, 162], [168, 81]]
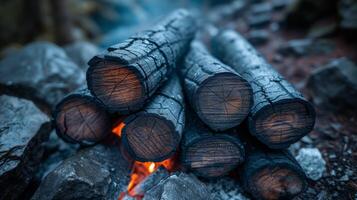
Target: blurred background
[[311, 42]]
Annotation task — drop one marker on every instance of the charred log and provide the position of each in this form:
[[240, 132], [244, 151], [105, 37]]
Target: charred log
[[271, 174], [80, 118], [23, 131], [218, 94], [209, 154], [280, 115], [130, 72], [154, 133]]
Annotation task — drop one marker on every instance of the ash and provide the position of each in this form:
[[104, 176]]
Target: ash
[[225, 189]]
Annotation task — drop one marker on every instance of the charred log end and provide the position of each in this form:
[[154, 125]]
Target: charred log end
[[213, 156], [120, 88], [224, 100], [284, 123], [81, 120], [276, 183], [150, 137]]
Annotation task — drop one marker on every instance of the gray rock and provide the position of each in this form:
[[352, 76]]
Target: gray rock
[[56, 150], [348, 12], [23, 130], [261, 8], [258, 21], [40, 71], [280, 4], [81, 52], [98, 172], [225, 189], [258, 37], [179, 186], [304, 47], [311, 161], [335, 85], [150, 181], [323, 30]]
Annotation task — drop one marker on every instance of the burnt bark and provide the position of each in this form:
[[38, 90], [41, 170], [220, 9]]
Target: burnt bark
[[23, 131], [98, 172], [80, 118], [218, 94], [129, 73], [208, 154], [154, 133], [42, 72], [271, 174], [280, 115]]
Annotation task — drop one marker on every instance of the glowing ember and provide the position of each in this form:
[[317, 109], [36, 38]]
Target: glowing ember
[[118, 129], [141, 170]]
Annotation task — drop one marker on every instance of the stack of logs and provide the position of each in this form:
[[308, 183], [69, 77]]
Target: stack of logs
[[240, 113]]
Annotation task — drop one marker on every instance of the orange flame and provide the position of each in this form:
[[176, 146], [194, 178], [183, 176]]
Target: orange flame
[[141, 170], [118, 129]]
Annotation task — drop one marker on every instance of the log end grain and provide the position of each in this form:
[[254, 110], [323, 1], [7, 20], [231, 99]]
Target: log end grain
[[277, 183], [79, 119], [224, 100], [283, 123], [150, 137], [213, 156], [119, 87]]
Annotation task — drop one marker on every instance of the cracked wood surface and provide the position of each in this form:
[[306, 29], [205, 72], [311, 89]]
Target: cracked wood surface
[[271, 174], [129, 73], [154, 133], [280, 115], [219, 95], [208, 154], [80, 118]]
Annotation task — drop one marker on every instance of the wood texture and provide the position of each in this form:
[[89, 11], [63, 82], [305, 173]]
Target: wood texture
[[209, 154], [271, 174], [154, 133], [219, 95], [129, 73], [280, 115], [80, 118]]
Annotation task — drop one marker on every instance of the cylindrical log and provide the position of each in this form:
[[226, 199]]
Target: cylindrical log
[[280, 115], [207, 154], [130, 72], [154, 133], [80, 118], [272, 174], [219, 95]]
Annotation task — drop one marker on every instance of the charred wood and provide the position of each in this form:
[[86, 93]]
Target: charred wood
[[280, 115], [219, 95], [154, 133], [80, 118], [129, 73]]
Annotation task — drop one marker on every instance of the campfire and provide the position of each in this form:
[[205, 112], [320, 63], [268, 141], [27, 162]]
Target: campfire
[[220, 112]]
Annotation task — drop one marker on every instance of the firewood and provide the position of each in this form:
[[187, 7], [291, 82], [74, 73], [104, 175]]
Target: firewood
[[154, 133], [280, 115], [80, 118], [129, 73], [271, 174], [209, 154], [218, 94]]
